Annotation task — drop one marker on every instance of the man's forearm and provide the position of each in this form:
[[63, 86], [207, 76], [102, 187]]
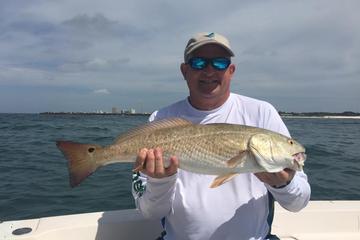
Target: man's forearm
[[295, 195], [156, 200]]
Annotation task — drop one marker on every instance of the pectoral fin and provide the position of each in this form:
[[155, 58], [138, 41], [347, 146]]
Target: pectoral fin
[[219, 180], [238, 159]]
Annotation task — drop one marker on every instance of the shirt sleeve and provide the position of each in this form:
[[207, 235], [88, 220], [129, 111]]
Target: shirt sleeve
[[296, 195], [272, 121], [153, 196]]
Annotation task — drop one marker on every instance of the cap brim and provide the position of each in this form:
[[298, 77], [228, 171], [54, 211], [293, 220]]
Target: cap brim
[[200, 44]]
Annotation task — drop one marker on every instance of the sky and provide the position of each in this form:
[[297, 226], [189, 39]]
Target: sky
[[89, 55]]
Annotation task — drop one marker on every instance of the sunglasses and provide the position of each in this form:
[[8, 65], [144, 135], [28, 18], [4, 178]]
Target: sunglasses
[[219, 63]]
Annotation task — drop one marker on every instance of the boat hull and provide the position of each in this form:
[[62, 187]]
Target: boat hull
[[319, 220]]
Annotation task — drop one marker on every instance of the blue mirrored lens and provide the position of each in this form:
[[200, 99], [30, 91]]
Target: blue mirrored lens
[[220, 63], [199, 63]]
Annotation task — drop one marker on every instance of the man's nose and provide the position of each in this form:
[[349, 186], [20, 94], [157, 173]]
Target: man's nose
[[209, 70]]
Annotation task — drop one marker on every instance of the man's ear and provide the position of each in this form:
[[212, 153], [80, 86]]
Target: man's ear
[[232, 68], [184, 69]]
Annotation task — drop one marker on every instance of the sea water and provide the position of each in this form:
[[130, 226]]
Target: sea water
[[34, 176]]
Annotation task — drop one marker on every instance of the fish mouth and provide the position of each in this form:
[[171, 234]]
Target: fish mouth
[[299, 159]]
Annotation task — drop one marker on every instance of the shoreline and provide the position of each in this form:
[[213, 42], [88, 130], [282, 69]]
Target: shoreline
[[285, 116], [322, 117], [90, 113]]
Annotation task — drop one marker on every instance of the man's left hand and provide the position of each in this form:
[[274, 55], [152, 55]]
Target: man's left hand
[[276, 179]]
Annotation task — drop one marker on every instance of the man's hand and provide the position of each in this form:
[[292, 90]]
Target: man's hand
[[150, 162], [276, 179]]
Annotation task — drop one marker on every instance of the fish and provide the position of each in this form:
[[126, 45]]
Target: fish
[[220, 149]]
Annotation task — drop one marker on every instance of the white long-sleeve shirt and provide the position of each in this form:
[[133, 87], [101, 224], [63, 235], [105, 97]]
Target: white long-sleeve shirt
[[238, 209]]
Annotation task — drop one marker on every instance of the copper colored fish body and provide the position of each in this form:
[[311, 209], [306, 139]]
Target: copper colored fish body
[[214, 149]]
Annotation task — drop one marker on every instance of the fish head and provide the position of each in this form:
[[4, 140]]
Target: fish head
[[275, 152]]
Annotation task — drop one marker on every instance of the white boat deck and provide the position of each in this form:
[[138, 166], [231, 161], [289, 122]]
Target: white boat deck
[[319, 220]]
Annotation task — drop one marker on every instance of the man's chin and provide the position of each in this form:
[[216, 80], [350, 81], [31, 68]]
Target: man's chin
[[209, 91]]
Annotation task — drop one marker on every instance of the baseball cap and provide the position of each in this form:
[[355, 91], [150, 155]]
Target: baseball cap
[[201, 39]]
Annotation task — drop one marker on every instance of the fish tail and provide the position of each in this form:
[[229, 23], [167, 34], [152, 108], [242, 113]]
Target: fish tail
[[81, 160]]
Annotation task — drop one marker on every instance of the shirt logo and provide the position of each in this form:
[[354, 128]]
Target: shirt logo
[[138, 185]]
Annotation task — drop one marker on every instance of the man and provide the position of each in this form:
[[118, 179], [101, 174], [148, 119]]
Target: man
[[240, 208]]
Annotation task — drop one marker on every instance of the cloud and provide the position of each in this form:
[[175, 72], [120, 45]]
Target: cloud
[[282, 48], [95, 64], [100, 27], [102, 91]]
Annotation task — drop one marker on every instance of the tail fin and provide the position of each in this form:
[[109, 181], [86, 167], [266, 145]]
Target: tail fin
[[82, 162]]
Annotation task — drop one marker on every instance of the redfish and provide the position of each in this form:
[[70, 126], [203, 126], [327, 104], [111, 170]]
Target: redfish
[[220, 149]]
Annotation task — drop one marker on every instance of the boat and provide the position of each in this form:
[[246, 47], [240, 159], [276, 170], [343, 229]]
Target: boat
[[320, 220]]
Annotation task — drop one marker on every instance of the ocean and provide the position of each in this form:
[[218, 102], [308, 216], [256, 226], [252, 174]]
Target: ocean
[[34, 177]]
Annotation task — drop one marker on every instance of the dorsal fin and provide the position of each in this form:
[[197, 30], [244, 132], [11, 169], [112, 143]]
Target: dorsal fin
[[152, 126]]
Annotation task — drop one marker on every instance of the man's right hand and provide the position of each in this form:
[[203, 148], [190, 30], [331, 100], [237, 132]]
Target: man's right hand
[[150, 162]]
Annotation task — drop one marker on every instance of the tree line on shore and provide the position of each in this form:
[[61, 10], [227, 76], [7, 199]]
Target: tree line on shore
[[319, 114]]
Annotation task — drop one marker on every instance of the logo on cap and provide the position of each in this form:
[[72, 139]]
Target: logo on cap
[[210, 35]]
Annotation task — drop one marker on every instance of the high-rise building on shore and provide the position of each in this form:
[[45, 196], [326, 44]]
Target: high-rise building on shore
[[114, 110]]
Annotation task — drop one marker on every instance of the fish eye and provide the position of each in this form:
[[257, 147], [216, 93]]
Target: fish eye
[[291, 142], [91, 149]]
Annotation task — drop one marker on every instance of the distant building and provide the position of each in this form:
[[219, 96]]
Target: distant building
[[114, 110]]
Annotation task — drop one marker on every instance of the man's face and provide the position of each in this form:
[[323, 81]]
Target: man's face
[[209, 88]]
